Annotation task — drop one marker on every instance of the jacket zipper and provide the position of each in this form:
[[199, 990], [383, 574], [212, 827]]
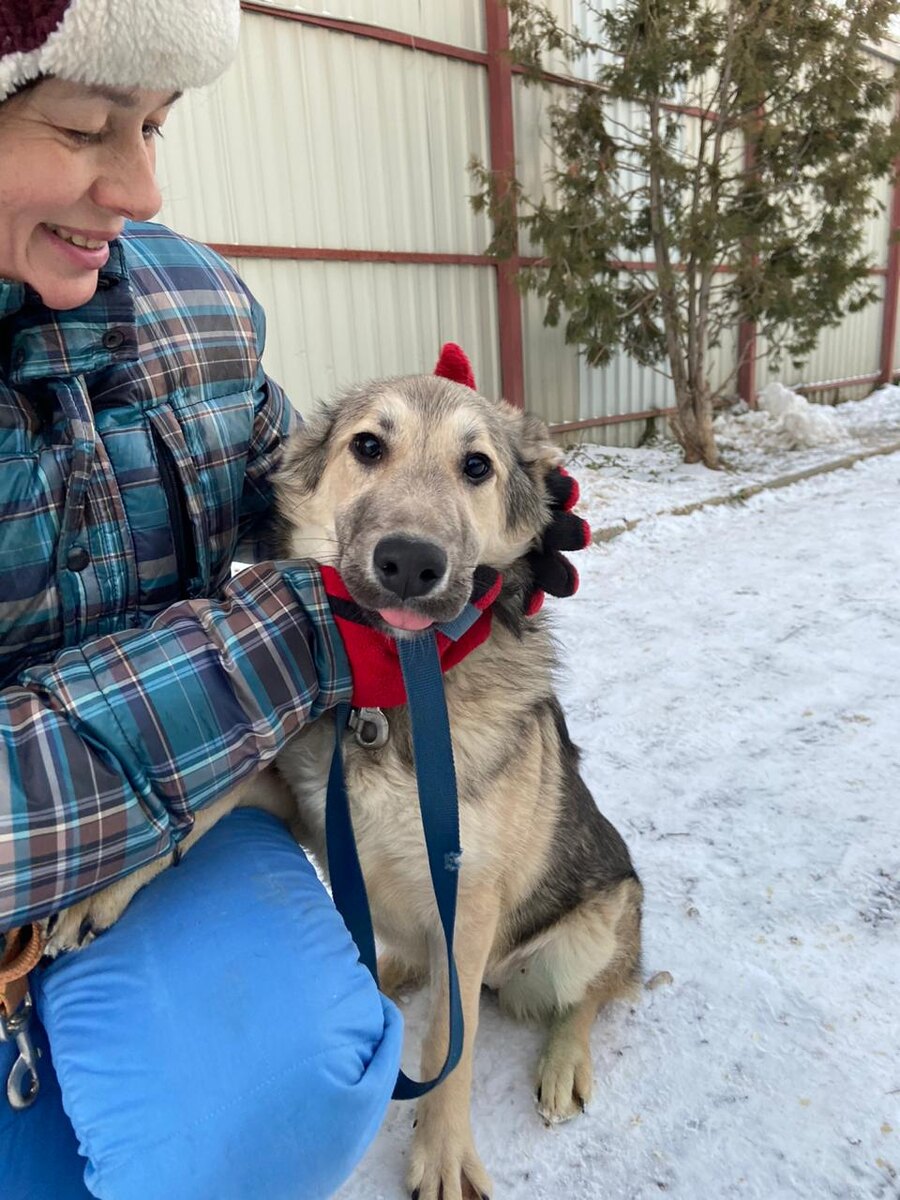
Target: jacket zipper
[[182, 534]]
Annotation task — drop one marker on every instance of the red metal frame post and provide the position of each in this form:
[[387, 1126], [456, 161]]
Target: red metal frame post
[[746, 347], [503, 164], [891, 285], [747, 360]]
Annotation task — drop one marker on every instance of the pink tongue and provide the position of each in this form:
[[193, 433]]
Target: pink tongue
[[401, 618]]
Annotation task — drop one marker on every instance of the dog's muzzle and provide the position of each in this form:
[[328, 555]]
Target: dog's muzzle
[[409, 567]]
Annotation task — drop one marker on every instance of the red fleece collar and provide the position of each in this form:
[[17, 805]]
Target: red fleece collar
[[374, 662]]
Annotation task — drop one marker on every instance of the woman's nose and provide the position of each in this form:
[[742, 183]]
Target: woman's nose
[[127, 185]]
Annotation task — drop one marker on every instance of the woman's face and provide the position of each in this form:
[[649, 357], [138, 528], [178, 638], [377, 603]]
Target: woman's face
[[75, 161]]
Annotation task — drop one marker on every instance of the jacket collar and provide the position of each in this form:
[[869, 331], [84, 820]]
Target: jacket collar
[[12, 297], [45, 342]]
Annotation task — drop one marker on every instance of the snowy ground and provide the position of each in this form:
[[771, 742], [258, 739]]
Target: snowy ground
[[620, 485], [733, 678]]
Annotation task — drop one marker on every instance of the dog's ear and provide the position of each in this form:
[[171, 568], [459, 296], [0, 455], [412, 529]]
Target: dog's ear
[[538, 452], [528, 498], [304, 460]]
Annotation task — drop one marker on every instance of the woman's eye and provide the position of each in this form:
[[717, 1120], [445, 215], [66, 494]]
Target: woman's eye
[[82, 137], [367, 447], [152, 130], [477, 467]]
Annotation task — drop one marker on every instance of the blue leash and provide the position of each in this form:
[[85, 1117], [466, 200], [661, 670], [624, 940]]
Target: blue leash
[[436, 781]]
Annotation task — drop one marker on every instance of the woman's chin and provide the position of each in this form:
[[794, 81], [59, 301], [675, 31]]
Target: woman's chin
[[60, 293]]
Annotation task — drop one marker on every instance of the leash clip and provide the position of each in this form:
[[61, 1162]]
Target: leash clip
[[370, 727], [23, 1082]]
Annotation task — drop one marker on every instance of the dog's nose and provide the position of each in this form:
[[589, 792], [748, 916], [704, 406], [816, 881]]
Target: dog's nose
[[409, 567]]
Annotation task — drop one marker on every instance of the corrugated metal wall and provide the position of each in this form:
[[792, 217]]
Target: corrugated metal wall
[[334, 324], [458, 22], [321, 141], [851, 350]]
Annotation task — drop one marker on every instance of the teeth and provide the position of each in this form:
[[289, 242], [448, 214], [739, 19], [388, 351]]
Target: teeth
[[74, 239]]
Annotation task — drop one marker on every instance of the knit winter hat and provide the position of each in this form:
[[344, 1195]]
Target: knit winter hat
[[153, 44]]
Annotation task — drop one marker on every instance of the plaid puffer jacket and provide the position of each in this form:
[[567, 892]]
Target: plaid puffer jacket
[[138, 435]]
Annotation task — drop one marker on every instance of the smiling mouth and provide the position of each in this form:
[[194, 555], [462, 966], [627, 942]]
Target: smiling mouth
[[75, 239]]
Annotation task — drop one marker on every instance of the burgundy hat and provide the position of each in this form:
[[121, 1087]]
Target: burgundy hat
[[153, 44]]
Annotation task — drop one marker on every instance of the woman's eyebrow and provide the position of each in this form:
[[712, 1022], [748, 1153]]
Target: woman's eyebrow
[[124, 97]]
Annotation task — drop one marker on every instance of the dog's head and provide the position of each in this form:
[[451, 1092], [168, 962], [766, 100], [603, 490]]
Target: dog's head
[[407, 485]]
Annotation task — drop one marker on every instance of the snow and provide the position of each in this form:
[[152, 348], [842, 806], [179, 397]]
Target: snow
[[621, 485], [733, 678], [783, 420]]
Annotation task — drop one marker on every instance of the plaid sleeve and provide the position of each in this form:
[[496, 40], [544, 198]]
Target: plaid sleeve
[[274, 421], [106, 753]]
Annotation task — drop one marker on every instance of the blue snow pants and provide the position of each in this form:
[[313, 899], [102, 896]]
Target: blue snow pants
[[221, 1042]]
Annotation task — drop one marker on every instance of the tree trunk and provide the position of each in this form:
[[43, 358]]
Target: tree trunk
[[687, 356], [693, 427]]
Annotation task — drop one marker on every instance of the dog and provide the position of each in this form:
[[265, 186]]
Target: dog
[[549, 903]]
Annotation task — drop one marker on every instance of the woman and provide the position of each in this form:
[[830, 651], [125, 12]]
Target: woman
[[223, 1041], [138, 434]]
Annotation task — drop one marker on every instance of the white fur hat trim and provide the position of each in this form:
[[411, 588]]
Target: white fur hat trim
[[159, 45]]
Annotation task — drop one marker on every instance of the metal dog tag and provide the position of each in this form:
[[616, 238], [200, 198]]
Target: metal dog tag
[[370, 727]]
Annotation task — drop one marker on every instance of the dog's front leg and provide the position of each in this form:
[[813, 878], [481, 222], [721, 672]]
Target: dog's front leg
[[75, 927], [444, 1164]]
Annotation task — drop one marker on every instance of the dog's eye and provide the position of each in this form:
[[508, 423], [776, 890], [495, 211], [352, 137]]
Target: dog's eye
[[367, 447], [477, 467]]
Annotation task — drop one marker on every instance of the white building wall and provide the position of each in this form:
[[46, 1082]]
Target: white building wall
[[317, 139], [334, 324], [456, 22]]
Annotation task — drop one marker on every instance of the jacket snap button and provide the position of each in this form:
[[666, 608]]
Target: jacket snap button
[[113, 339], [77, 558]]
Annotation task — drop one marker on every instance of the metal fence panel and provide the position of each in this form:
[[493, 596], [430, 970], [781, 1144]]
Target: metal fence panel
[[849, 351], [552, 388], [334, 324], [315, 138], [459, 23]]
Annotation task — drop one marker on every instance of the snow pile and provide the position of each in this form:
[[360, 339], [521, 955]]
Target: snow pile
[[784, 420], [878, 415]]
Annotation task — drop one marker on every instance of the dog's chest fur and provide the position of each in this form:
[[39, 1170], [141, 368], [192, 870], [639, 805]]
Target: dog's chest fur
[[490, 698]]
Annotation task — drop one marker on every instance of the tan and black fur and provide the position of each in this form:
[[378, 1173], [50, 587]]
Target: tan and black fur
[[549, 902]]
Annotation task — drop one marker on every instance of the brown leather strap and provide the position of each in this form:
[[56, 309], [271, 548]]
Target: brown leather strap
[[21, 952]]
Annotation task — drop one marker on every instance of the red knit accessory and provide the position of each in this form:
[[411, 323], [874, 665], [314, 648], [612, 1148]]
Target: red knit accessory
[[454, 364]]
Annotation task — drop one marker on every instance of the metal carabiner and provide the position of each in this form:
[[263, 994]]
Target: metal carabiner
[[23, 1082], [370, 727]]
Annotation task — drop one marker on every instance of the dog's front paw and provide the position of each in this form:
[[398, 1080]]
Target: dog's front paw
[[444, 1166], [565, 1079], [67, 930], [76, 927]]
